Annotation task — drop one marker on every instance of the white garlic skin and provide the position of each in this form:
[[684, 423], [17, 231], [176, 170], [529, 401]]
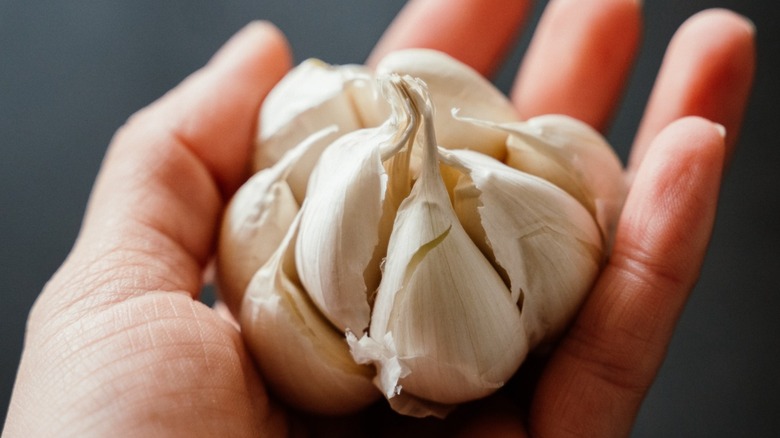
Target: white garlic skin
[[302, 358], [356, 287]]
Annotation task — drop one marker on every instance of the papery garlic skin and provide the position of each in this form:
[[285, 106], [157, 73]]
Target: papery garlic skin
[[455, 86], [432, 240], [312, 96], [260, 213], [304, 361]]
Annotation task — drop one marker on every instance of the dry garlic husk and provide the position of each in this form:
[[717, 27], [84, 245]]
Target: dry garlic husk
[[407, 235]]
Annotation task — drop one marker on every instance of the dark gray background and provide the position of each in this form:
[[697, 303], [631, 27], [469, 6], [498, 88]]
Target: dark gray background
[[72, 71]]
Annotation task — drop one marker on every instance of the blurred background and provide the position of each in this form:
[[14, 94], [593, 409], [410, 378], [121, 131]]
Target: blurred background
[[72, 71]]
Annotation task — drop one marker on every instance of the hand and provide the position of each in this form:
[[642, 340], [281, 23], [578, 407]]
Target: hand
[[117, 341]]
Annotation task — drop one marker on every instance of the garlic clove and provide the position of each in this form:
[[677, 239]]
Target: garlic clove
[[591, 159], [255, 221], [259, 214], [456, 86], [310, 97], [545, 240], [574, 156], [451, 316], [441, 308], [301, 356], [342, 219], [339, 225], [370, 105]]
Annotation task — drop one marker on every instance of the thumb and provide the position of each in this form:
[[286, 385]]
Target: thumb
[[153, 211]]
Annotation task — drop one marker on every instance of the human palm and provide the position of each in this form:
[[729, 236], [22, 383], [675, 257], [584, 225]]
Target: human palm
[[118, 342]]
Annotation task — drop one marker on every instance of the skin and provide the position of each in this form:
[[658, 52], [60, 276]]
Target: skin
[[117, 341]]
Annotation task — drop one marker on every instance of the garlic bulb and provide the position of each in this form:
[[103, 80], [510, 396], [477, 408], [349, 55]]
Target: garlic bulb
[[407, 235]]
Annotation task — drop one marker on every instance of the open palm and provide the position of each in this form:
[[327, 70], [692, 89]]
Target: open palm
[[117, 341]]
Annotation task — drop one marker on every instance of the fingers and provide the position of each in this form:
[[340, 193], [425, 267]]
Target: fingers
[[477, 32], [598, 376], [707, 71], [154, 207], [579, 59]]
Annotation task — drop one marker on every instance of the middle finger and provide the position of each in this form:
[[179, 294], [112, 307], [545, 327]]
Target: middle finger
[[477, 32]]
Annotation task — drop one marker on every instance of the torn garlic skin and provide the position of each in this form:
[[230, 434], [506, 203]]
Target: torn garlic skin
[[407, 235]]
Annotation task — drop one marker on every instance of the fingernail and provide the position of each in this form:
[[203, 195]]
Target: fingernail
[[721, 129], [751, 25]]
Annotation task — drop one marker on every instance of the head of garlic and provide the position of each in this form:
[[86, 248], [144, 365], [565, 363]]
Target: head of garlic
[[406, 235]]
